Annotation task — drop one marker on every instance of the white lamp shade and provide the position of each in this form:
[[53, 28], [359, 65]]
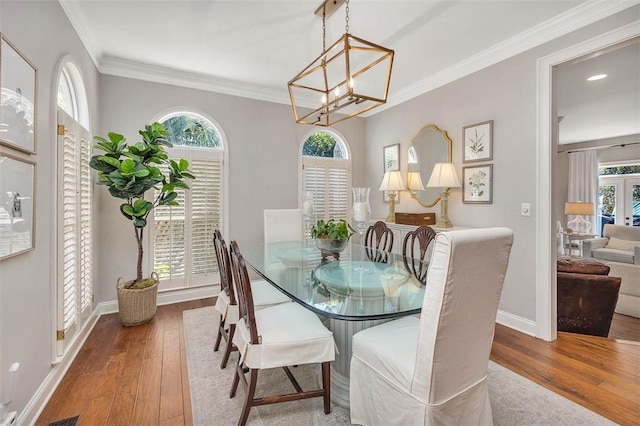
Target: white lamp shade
[[579, 208], [443, 176], [392, 181], [414, 181]]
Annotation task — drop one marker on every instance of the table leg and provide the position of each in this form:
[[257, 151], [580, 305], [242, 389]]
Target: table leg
[[343, 331]]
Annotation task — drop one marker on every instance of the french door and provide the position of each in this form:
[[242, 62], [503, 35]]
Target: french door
[[619, 198]]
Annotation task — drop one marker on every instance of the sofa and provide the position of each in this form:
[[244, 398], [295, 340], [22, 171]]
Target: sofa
[[587, 296], [619, 248], [619, 243]]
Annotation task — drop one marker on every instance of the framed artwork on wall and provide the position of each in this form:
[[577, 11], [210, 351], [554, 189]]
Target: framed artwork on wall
[[477, 184], [391, 157], [18, 107], [17, 206], [477, 140]]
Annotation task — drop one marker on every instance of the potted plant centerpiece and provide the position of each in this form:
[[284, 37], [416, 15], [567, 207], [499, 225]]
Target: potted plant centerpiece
[[331, 236], [129, 171]]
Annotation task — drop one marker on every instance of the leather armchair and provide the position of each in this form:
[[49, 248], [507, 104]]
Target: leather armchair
[[619, 248], [587, 296]]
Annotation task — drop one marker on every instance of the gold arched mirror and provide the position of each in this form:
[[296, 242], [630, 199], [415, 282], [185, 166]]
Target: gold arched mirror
[[429, 146]]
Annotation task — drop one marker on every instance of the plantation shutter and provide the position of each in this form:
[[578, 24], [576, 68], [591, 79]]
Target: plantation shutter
[[183, 254], [330, 181], [75, 236]]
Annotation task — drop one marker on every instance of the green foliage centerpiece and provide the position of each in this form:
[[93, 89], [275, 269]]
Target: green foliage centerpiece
[[130, 170], [331, 236]]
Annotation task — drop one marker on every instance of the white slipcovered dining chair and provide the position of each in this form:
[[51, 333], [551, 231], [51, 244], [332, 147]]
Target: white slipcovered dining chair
[[226, 303], [433, 369], [282, 225], [278, 336]]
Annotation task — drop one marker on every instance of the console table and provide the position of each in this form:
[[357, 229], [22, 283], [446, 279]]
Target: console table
[[400, 231]]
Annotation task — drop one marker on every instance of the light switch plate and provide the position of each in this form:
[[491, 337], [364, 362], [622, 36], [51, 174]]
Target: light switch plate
[[525, 210]]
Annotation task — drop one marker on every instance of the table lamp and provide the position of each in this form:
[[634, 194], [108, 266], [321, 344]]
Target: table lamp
[[392, 182], [579, 208], [444, 176], [414, 181]]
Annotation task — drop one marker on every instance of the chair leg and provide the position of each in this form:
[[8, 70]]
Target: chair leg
[[227, 351], [326, 386], [248, 401], [236, 380], [219, 336]]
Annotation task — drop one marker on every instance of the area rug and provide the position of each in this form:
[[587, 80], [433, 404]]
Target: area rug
[[514, 399]]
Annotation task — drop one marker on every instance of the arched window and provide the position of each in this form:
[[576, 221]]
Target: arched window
[[183, 254], [74, 218], [326, 171]]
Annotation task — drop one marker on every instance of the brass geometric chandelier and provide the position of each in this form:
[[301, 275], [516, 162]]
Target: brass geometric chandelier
[[349, 78]]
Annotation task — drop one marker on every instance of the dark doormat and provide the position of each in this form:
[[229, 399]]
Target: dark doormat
[[71, 421]]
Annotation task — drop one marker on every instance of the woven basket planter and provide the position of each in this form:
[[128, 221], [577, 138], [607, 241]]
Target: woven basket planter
[[137, 306]]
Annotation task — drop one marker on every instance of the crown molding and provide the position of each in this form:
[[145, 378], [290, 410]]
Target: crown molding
[[158, 74], [569, 21], [78, 22]]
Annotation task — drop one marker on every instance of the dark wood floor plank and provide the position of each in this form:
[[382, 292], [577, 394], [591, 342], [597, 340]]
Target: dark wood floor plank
[[147, 409], [171, 403], [127, 390]]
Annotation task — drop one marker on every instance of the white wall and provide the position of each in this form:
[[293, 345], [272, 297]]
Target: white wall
[[505, 93], [41, 31], [263, 141]]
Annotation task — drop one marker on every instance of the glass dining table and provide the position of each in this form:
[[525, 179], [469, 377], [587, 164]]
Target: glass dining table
[[350, 293]]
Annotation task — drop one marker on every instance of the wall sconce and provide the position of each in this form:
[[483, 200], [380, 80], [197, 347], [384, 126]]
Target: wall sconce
[[392, 182], [444, 176]]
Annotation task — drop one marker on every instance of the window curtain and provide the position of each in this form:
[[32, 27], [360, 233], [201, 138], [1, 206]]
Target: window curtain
[[583, 180]]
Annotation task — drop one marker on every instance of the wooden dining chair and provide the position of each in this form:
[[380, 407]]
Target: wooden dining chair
[[432, 370], [278, 336], [414, 251], [378, 242], [226, 303]]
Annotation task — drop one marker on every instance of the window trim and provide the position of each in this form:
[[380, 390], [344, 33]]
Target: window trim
[[84, 119], [343, 140], [224, 150]]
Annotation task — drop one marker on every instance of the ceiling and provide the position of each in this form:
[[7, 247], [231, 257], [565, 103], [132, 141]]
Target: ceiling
[[253, 48], [602, 109]]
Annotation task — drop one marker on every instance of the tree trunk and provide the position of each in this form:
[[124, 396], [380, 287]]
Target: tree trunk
[[138, 232]]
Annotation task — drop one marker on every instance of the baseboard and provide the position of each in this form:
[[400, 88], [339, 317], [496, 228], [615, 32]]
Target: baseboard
[[520, 324], [36, 404], [168, 297]]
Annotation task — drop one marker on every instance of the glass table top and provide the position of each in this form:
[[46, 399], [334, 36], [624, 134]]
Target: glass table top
[[351, 288]]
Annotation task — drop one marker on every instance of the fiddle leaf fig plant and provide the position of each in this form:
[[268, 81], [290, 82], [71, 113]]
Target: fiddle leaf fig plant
[[130, 170]]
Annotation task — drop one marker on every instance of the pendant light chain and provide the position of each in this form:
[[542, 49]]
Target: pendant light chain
[[346, 19], [324, 29]]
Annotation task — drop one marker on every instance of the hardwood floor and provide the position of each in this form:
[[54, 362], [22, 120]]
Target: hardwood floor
[[624, 327], [138, 375]]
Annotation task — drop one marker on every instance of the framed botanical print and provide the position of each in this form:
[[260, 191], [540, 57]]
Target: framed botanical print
[[18, 107], [17, 206], [477, 142], [391, 157], [477, 184]]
